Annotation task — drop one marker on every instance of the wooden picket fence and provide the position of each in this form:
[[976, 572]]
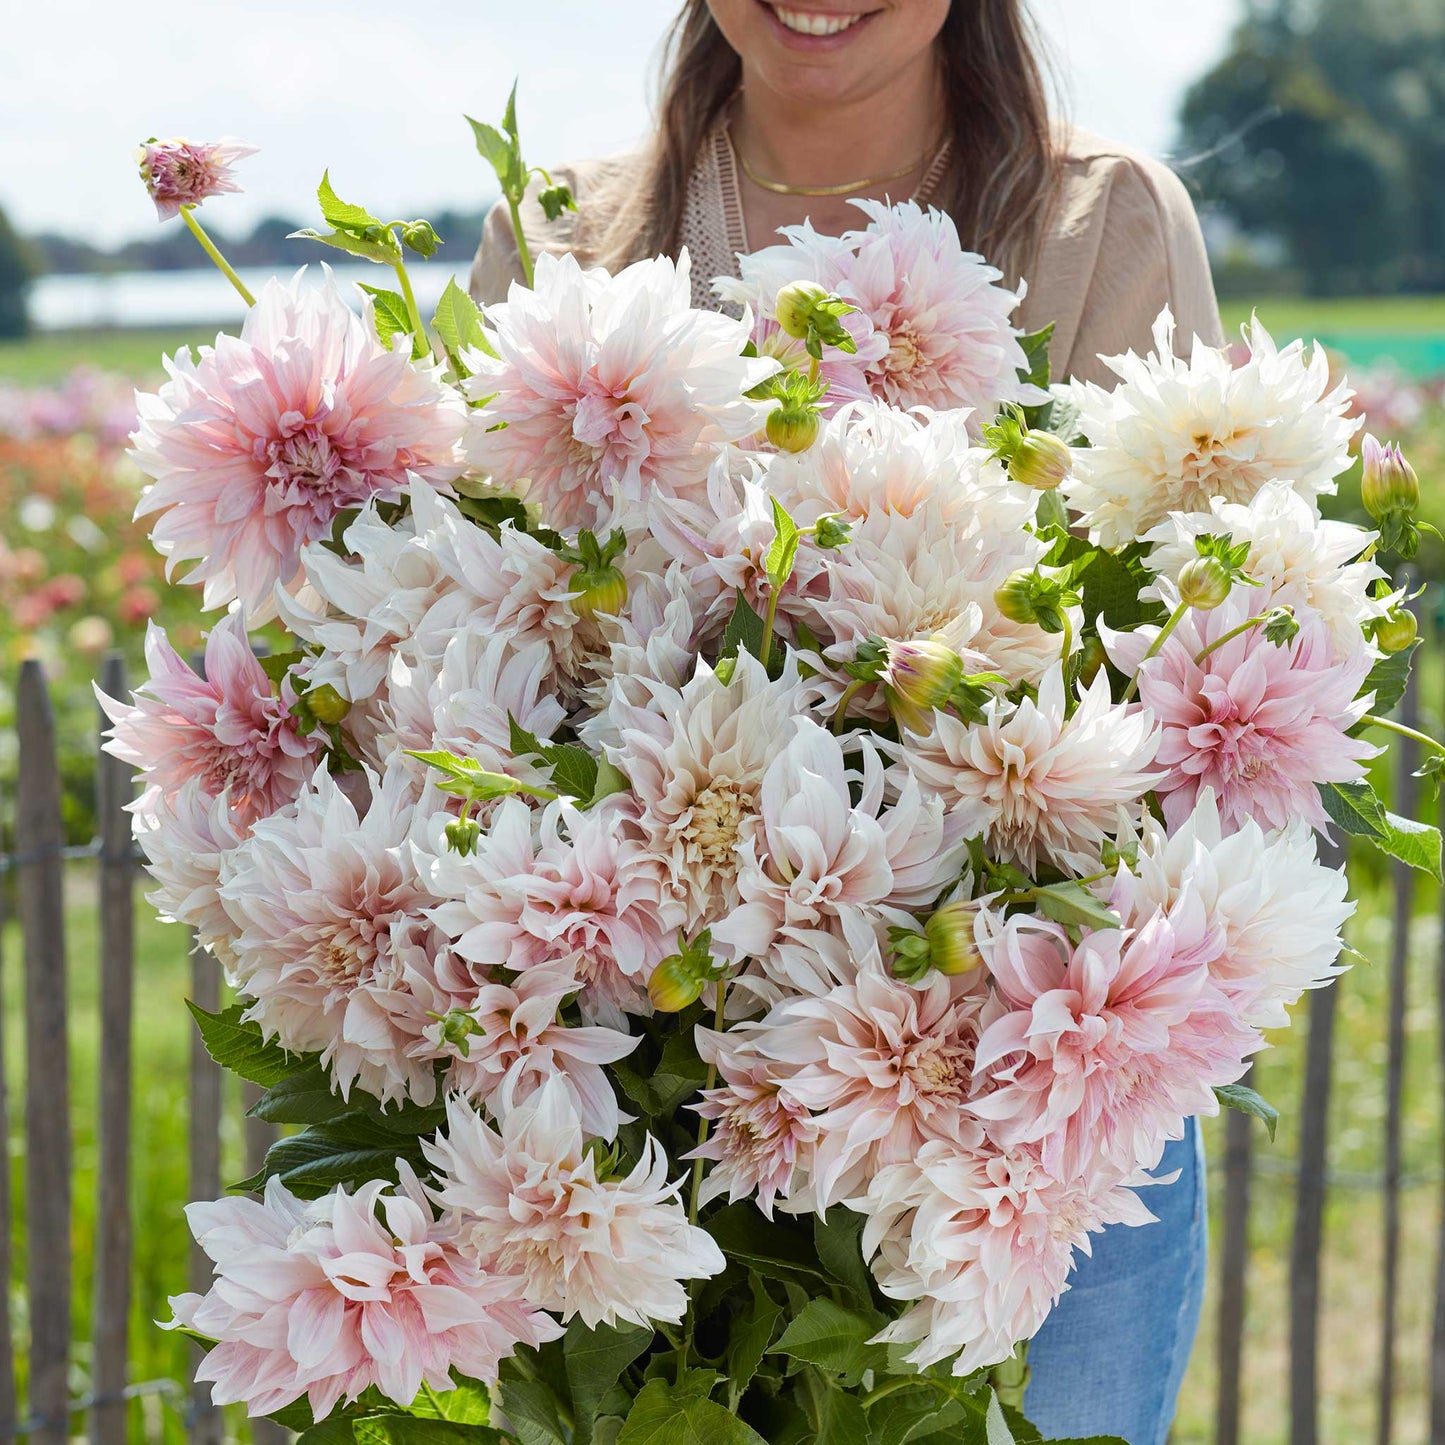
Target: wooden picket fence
[[49, 1414]]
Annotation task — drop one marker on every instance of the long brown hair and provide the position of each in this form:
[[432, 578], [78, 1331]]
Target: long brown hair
[[1003, 167]]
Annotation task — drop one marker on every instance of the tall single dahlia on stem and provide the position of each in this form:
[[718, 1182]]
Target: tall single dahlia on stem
[[330, 1297], [229, 729], [1037, 784], [979, 1243], [527, 1200], [1176, 434], [609, 386], [1262, 723], [257, 444], [1098, 1051], [179, 172]]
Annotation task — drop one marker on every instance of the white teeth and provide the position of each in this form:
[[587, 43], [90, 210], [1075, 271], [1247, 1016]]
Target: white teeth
[[806, 23]]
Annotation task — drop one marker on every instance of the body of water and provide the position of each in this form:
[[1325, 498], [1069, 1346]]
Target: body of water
[[200, 297]]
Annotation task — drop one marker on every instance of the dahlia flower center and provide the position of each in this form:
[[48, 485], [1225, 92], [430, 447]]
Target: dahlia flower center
[[349, 950], [717, 818], [934, 1067], [1220, 466], [905, 352], [308, 460]]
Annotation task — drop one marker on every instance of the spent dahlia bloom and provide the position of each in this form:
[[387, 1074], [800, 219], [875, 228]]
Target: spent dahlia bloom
[[1267, 911], [229, 730], [818, 861], [255, 446], [1176, 434], [610, 386], [1299, 558], [527, 1200], [980, 1243], [1262, 724], [180, 172], [329, 1297], [330, 937], [1100, 1050], [882, 1066], [1039, 786]]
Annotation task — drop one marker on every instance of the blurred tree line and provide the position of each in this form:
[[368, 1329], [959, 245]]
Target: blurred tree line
[[1323, 129], [17, 265]]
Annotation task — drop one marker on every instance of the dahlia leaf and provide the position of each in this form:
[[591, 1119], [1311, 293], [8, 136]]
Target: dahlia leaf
[[391, 318], [531, 1409], [400, 1429], [305, 1097], [914, 1413], [752, 1333], [662, 1415], [744, 630], [344, 241], [1388, 679], [342, 215], [1355, 808], [1036, 355], [1417, 845], [458, 320], [469, 1403], [1244, 1099], [841, 1420], [778, 1250], [1074, 906], [835, 1339], [998, 1430], [595, 1360], [239, 1045], [839, 1238]]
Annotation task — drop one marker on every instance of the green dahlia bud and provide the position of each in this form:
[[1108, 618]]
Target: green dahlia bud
[[1041, 461], [1396, 630], [1091, 659], [418, 236], [599, 591], [794, 305], [1015, 598], [1388, 484], [462, 835], [792, 430], [1204, 583], [325, 704], [951, 943], [674, 985], [919, 676]]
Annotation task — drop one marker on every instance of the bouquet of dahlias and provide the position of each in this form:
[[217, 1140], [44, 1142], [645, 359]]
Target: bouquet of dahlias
[[767, 824]]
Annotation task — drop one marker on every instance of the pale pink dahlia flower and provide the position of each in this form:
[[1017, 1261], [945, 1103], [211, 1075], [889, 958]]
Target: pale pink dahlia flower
[[882, 1066], [1262, 724], [255, 447], [1173, 435], [1268, 913], [229, 729], [331, 941], [179, 172], [1037, 785], [979, 1244], [337, 1295], [609, 386], [529, 1201], [1103, 1047]]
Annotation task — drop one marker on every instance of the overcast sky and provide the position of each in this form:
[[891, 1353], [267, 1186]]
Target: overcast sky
[[378, 96]]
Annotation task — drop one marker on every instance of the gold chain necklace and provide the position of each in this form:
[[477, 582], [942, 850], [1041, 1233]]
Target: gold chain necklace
[[780, 188]]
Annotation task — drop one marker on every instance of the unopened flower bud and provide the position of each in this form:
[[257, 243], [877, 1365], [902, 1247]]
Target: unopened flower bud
[[831, 532], [951, 944], [674, 985], [1041, 461], [1396, 630], [794, 306], [325, 704], [457, 1028], [919, 676], [419, 236], [1015, 598], [1388, 484], [601, 592], [792, 430], [462, 835], [1091, 658], [1204, 583]]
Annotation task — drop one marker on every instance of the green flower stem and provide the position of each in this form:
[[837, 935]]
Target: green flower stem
[[888, 1387], [768, 621], [1010, 1377], [1391, 726], [514, 205], [1175, 618], [210, 248], [1068, 636], [840, 713], [1229, 636], [409, 296]]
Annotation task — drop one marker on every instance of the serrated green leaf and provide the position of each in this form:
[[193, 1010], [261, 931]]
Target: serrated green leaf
[[912, 1414], [595, 1360], [839, 1239], [339, 214], [502, 154], [408, 1430], [751, 1333], [1074, 906], [1111, 591], [1051, 512], [783, 553], [532, 1410], [780, 1249], [1354, 808], [390, 315], [744, 631], [661, 1415], [1417, 845], [1388, 679], [378, 251], [241, 1047], [610, 780], [458, 320], [1035, 346], [277, 664], [834, 1339], [841, 1419], [305, 1097], [509, 116], [328, 1432], [1244, 1100], [468, 1403]]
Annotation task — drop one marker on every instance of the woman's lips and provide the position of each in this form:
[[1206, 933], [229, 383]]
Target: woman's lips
[[801, 29]]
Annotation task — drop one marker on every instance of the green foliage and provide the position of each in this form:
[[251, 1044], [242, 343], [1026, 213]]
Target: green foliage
[[1244, 1099], [663, 1414], [1360, 813], [744, 630], [240, 1046], [16, 271]]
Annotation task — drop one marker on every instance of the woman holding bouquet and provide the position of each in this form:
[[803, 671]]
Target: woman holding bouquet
[[773, 115]]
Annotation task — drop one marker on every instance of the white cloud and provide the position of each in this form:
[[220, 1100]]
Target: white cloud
[[376, 91]]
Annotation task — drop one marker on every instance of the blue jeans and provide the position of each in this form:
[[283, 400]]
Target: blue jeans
[[1111, 1357]]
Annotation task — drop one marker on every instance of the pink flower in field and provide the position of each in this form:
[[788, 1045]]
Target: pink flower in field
[[256, 446], [980, 1243], [882, 1066], [762, 1138], [331, 1297], [1101, 1049], [228, 729], [528, 1201], [1260, 723], [180, 172], [610, 387]]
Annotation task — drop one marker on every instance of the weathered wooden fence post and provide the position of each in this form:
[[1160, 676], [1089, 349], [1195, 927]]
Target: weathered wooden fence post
[[1233, 1266], [205, 1174], [9, 1406], [114, 789], [39, 842]]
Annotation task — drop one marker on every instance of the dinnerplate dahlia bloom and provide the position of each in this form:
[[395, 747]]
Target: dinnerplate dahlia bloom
[[256, 444], [330, 1297], [1173, 435], [527, 1199]]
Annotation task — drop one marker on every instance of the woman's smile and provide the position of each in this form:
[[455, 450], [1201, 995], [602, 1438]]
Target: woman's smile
[[810, 29]]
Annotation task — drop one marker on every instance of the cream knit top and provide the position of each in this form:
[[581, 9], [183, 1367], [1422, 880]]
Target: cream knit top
[[1123, 242]]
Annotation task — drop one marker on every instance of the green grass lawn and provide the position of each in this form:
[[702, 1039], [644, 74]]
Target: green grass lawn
[[48, 356], [1304, 315]]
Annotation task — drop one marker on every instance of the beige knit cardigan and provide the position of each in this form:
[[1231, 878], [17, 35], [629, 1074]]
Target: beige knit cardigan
[[1122, 243]]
